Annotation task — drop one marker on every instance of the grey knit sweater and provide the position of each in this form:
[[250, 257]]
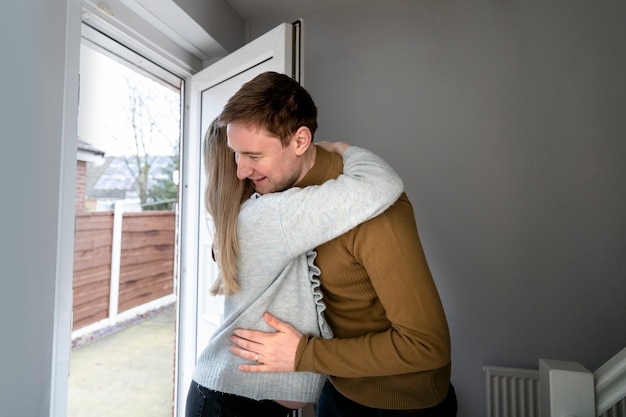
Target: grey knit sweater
[[277, 234]]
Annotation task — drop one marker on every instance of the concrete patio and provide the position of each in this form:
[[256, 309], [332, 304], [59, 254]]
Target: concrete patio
[[129, 373]]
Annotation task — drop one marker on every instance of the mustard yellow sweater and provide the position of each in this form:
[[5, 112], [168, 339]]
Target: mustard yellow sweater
[[391, 348]]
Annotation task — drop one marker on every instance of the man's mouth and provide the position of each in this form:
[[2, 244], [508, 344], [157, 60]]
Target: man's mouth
[[257, 181]]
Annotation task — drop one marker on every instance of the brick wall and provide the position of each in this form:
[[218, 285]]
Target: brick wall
[[81, 182]]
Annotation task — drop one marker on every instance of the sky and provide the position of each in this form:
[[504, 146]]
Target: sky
[[104, 109]]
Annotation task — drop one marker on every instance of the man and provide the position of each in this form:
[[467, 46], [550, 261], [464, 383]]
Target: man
[[391, 352]]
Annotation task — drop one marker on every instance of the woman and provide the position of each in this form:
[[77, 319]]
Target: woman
[[264, 247]]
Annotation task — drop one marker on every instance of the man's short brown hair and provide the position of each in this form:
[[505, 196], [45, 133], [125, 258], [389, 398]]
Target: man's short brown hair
[[275, 102]]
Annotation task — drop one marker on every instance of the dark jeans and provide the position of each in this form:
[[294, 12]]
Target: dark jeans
[[334, 404], [203, 402]]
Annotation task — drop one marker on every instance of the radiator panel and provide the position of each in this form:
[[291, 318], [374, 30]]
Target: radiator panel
[[512, 392]]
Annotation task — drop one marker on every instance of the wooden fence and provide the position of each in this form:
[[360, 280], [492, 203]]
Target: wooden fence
[[115, 271]]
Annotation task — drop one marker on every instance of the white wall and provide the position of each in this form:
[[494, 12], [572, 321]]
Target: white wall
[[34, 172], [507, 121]]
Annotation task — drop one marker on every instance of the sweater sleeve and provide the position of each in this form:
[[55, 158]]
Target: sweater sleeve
[[310, 216]]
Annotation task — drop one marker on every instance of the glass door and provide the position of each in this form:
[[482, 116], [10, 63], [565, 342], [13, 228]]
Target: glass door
[[200, 312]]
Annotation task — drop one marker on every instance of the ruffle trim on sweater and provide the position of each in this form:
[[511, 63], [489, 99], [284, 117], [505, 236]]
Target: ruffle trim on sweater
[[318, 296]]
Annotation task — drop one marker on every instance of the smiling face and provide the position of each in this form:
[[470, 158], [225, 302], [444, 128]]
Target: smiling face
[[262, 158]]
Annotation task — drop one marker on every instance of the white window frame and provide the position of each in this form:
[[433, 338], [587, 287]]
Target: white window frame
[[158, 51]]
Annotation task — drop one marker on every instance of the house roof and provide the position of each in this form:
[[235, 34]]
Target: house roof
[[87, 152], [88, 147], [118, 174]]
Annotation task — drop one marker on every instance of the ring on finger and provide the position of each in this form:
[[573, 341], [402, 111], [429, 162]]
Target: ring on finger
[[256, 357]]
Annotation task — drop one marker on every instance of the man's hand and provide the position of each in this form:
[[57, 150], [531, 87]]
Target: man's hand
[[274, 352]]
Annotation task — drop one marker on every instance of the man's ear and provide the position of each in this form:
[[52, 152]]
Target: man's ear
[[302, 140]]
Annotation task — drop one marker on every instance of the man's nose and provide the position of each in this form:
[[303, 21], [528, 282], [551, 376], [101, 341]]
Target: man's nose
[[243, 169]]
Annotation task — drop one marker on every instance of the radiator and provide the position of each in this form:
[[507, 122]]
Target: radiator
[[514, 392], [511, 392]]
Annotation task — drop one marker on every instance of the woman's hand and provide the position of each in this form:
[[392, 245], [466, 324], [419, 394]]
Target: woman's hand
[[338, 147]]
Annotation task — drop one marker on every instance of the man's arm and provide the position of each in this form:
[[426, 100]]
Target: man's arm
[[403, 329]]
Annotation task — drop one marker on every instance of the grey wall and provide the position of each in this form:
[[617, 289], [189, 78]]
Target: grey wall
[[217, 18], [33, 79], [507, 121]]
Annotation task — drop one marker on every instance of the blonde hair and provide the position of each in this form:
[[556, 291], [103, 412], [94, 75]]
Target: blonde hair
[[223, 197]]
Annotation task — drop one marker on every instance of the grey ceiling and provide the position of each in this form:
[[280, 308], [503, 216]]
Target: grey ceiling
[[264, 9]]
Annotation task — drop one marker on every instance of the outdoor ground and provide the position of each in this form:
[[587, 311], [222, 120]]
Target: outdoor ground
[[129, 373]]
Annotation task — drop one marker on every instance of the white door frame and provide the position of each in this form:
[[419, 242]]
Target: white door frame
[[271, 51]]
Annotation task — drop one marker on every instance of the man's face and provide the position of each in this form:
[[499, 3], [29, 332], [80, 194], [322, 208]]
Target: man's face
[[262, 158]]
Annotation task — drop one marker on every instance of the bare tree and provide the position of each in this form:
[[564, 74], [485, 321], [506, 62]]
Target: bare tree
[[148, 110]]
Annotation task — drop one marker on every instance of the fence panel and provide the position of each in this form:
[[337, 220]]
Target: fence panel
[[92, 268], [146, 264]]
